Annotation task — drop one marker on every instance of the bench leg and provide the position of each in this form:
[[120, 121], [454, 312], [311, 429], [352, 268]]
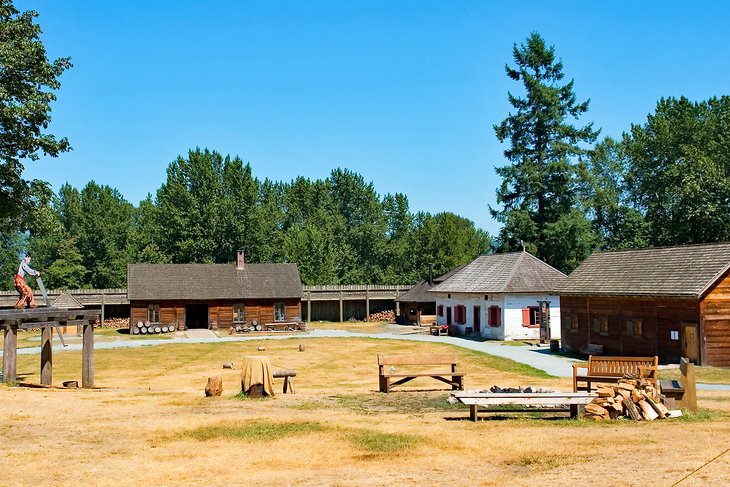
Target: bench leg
[[384, 384], [473, 411], [457, 383], [577, 411], [288, 385]]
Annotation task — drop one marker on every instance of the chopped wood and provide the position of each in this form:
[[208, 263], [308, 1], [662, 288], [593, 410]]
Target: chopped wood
[[604, 391], [636, 395], [631, 410], [674, 413], [387, 316], [647, 411], [214, 387], [654, 405], [596, 410], [626, 386]]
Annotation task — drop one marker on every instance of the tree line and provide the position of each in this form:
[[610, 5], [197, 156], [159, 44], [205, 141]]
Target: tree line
[[337, 230], [564, 193]]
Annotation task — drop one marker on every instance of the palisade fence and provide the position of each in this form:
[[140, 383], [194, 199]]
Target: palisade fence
[[319, 303]]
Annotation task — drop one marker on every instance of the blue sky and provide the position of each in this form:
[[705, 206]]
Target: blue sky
[[403, 92]]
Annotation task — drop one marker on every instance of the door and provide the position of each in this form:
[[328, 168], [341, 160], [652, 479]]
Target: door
[[448, 315], [690, 342], [477, 320], [196, 316]]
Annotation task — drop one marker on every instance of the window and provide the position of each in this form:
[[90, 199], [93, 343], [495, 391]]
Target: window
[[279, 312], [530, 317], [153, 313], [600, 325], [495, 316], [574, 323], [440, 310], [239, 313], [460, 314], [633, 328]]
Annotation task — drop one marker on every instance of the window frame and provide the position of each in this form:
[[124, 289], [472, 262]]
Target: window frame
[[153, 311], [283, 311], [239, 313]]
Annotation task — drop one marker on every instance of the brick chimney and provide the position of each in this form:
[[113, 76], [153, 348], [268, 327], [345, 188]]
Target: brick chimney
[[239, 260]]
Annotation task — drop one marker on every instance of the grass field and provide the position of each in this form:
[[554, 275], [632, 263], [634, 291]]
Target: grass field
[[150, 424]]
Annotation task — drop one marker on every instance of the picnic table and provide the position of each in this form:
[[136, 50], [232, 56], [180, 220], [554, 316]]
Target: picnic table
[[572, 402]]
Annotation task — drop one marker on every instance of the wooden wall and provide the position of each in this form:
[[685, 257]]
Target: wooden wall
[[715, 327], [660, 317], [220, 313]]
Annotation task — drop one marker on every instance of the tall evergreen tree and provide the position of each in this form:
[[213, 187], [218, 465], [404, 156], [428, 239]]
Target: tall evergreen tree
[[539, 187]]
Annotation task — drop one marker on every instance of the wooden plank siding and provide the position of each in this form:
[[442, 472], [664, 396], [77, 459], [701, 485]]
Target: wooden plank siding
[[220, 313], [659, 318], [715, 325]]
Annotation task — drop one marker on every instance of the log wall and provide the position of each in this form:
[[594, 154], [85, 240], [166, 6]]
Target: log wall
[[220, 313], [660, 317], [715, 326]]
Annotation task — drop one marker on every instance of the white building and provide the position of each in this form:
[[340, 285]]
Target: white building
[[498, 296]]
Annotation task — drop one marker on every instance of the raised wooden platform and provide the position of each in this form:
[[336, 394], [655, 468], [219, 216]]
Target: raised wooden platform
[[572, 402], [12, 320]]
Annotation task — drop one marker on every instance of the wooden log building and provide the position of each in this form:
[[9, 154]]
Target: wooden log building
[[668, 301], [214, 296], [417, 305]]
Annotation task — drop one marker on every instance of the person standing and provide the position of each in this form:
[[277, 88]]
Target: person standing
[[26, 293]]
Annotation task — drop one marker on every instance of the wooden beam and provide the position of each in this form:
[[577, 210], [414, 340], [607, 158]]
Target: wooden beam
[[367, 302], [46, 356], [341, 314], [87, 356], [10, 350]]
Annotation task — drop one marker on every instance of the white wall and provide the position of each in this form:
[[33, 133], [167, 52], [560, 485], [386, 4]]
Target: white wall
[[511, 306]]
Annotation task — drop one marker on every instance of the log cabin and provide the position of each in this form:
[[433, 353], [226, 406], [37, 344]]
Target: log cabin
[[501, 297], [668, 301], [214, 296]]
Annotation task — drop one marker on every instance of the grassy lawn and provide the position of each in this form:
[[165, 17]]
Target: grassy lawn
[[336, 430], [704, 375]]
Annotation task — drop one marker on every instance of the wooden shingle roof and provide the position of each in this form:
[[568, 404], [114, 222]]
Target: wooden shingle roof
[[212, 281], [513, 272], [687, 270], [419, 293]]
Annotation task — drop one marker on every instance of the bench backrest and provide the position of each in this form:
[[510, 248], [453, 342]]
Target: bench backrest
[[618, 366], [424, 359]]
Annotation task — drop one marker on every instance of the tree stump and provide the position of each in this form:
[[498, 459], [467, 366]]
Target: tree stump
[[262, 349], [214, 387], [256, 391], [301, 347]]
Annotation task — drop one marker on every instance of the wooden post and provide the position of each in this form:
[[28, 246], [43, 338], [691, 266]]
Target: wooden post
[[687, 379], [10, 349], [397, 304], [367, 303], [341, 314], [102, 309], [87, 356], [309, 306], [46, 356]]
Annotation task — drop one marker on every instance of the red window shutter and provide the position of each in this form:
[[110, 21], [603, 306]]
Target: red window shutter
[[495, 316], [498, 315], [462, 314], [525, 316]]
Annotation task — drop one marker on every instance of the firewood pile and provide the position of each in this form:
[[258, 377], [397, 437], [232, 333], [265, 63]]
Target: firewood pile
[[147, 328], [115, 323], [632, 397], [387, 316]]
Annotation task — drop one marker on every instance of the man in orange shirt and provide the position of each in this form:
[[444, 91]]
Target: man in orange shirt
[[26, 293]]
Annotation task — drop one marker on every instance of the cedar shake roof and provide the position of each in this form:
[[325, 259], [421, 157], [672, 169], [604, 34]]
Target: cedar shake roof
[[419, 292], [687, 270], [513, 272], [212, 281]]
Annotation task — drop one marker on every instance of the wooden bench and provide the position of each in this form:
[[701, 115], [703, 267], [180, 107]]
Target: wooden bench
[[591, 349], [439, 330], [571, 402], [288, 382], [416, 365], [611, 369]]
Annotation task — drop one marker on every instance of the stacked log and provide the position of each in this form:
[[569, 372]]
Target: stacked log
[[387, 316], [147, 328], [631, 397], [115, 323]]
